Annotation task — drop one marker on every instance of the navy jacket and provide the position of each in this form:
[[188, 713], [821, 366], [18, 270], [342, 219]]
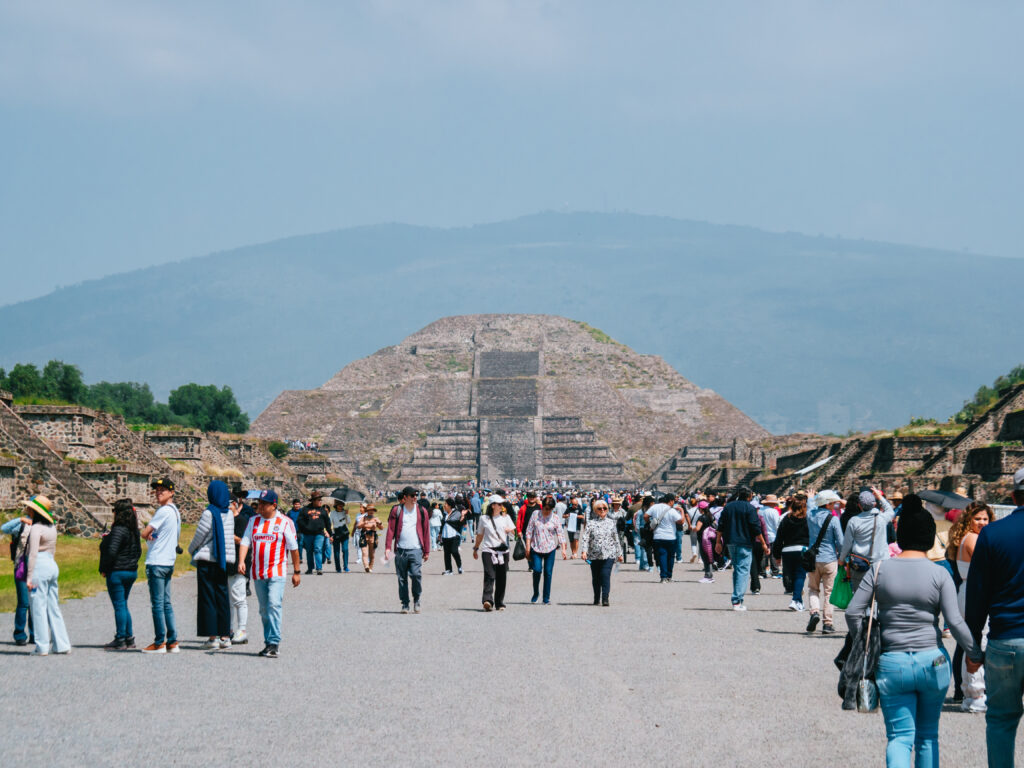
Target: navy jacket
[[995, 583], [739, 524]]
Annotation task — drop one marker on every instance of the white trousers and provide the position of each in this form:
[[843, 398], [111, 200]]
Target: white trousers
[[239, 606]]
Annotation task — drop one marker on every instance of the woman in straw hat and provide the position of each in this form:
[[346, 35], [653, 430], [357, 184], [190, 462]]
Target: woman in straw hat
[[41, 578]]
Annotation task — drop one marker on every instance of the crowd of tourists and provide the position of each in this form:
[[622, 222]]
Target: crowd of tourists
[[902, 581]]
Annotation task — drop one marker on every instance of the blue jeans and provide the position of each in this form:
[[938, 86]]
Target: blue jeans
[[664, 553], [340, 554], [792, 565], [741, 557], [911, 689], [640, 551], [158, 577], [302, 546], [601, 577], [542, 563], [314, 551], [679, 545], [325, 549], [1004, 684], [270, 594], [408, 566], [22, 614], [119, 587]]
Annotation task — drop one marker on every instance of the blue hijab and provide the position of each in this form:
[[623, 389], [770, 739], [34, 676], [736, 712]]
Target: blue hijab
[[219, 497]]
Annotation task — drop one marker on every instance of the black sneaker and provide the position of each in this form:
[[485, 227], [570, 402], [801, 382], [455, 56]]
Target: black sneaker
[[604, 603], [812, 623], [272, 652], [21, 642], [828, 629], [129, 643], [117, 644], [265, 651]]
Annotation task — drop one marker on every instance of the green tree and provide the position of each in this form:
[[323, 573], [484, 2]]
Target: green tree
[[24, 381], [277, 449], [208, 408], [61, 381]]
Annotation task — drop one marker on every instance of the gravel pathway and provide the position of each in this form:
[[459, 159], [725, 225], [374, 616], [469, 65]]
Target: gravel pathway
[[667, 675]]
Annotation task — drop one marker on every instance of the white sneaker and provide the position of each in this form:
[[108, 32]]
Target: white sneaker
[[211, 645], [240, 638], [707, 580], [799, 608], [739, 607], [792, 605], [225, 643]]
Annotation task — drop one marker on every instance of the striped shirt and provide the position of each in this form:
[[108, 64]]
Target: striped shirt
[[270, 541]]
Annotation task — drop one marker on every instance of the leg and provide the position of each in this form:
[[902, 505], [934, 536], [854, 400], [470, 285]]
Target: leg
[[275, 598], [606, 579], [336, 546], [799, 577], [116, 592], [706, 561], [898, 699], [489, 578], [318, 552], [741, 559], [932, 685], [500, 579], [22, 615], [828, 579], [344, 553], [307, 545], [1004, 679], [813, 586], [402, 571], [549, 569], [206, 610], [222, 602], [756, 563], [595, 578], [416, 574], [536, 564], [40, 619], [239, 607], [261, 587], [679, 545]]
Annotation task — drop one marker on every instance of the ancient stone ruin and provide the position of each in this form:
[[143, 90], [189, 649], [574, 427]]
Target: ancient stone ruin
[[487, 398]]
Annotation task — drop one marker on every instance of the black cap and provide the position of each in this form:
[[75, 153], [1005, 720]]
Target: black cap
[[162, 482], [408, 491]]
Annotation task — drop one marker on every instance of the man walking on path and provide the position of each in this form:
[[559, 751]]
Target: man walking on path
[[314, 525], [769, 514], [740, 528], [664, 521], [826, 563], [865, 541], [162, 533], [642, 535], [271, 536], [408, 539], [995, 592]]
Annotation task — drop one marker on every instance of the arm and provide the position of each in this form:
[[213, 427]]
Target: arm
[[479, 539], [847, 541], [14, 524], [244, 544], [951, 613], [204, 529], [860, 602], [979, 587], [390, 537]]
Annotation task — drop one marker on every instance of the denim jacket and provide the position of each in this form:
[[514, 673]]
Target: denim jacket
[[828, 552]]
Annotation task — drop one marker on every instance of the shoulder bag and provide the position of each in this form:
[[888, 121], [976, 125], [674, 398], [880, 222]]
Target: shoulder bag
[[809, 557], [867, 689], [859, 562]]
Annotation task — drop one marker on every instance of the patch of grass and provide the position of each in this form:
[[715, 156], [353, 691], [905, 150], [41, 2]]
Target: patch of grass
[[79, 561], [40, 401], [598, 335]]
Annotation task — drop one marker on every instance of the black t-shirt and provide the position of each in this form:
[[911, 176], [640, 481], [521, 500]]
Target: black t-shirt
[[241, 523]]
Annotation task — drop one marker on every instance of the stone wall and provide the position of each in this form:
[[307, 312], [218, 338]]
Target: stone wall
[[67, 429]]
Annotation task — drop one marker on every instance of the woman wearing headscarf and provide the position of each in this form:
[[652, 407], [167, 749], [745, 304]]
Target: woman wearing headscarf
[[212, 548], [42, 575], [913, 669], [120, 551]]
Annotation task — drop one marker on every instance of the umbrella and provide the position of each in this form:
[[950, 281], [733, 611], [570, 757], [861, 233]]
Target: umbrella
[[946, 499], [345, 494]]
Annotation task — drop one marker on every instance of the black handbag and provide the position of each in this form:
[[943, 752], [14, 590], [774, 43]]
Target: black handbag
[[519, 551]]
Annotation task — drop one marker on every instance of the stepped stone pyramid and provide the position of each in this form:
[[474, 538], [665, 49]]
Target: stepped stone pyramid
[[490, 397]]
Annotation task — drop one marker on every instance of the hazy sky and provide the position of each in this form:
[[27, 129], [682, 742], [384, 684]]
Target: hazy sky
[[134, 133]]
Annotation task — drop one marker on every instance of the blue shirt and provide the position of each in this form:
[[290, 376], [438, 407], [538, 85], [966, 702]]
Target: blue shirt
[[832, 542], [475, 504], [995, 582]]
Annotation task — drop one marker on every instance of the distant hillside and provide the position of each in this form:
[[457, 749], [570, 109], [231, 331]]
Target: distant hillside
[[801, 333]]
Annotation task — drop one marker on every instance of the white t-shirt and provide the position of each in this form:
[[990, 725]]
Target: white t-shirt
[[494, 534], [435, 516], [165, 537], [408, 538], [668, 516]]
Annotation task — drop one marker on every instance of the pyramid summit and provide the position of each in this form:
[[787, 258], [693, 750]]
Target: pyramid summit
[[490, 397]]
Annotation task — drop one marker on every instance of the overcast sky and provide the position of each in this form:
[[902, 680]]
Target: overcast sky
[[136, 133]]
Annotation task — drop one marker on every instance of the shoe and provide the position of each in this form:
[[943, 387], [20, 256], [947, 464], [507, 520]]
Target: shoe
[[239, 638], [271, 652], [739, 607], [693, 559], [37, 652], [792, 605], [346, 570], [266, 648], [946, 633], [225, 643], [173, 647], [487, 607], [755, 591], [369, 570], [547, 602], [211, 645], [405, 609], [534, 598], [155, 648], [460, 570], [812, 623], [446, 573], [117, 644], [63, 653], [975, 709], [800, 608], [365, 568], [309, 571], [501, 607], [416, 607], [21, 642], [828, 629], [604, 603], [129, 643], [597, 601], [327, 561], [706, 580]]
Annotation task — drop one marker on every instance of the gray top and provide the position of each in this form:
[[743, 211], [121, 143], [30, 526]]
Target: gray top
[[911, 594], [200, 548], [857, 538]]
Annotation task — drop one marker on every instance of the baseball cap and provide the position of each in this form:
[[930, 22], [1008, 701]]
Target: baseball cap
[[162, 482], [268, 496]]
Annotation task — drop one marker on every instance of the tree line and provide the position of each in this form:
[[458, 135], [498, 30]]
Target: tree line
[[203, 407], [986, 397]]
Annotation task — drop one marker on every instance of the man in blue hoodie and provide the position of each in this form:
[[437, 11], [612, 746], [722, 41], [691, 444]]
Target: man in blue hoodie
[[995, 592]]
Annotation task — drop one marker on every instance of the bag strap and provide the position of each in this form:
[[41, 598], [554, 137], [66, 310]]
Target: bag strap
[[821, 533], [871, 546], [871, 618]]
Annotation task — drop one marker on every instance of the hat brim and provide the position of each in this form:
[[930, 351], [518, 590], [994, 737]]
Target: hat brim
[[31, 505]]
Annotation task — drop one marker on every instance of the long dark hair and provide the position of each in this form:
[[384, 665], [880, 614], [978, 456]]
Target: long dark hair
[[853, 509], [39, 519], [124, 514]]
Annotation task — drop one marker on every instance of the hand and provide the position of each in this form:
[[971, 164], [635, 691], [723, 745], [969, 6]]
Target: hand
[[476, 555], [241, 567], [973, 666], [296, 578], [619, 559], [103, 574], [565, 555], [30, 585], [718, 547], [426, 556]]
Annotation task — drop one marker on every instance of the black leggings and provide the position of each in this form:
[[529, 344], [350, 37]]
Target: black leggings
[[451, 550]]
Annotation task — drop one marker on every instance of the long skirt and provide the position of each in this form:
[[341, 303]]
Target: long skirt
[[213, 606]]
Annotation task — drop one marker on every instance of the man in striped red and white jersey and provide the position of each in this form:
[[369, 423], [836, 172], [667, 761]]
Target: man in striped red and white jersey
[[271, 536]]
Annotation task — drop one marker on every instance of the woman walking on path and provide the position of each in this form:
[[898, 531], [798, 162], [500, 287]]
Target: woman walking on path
[[451, 535], [436, 516], [42, 576], [120, 551], [492, 540], [544, 535], [962, 538], [706, 534], [603, 549], [913, 669], [212, 548], [791, 540], [368, 526]]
